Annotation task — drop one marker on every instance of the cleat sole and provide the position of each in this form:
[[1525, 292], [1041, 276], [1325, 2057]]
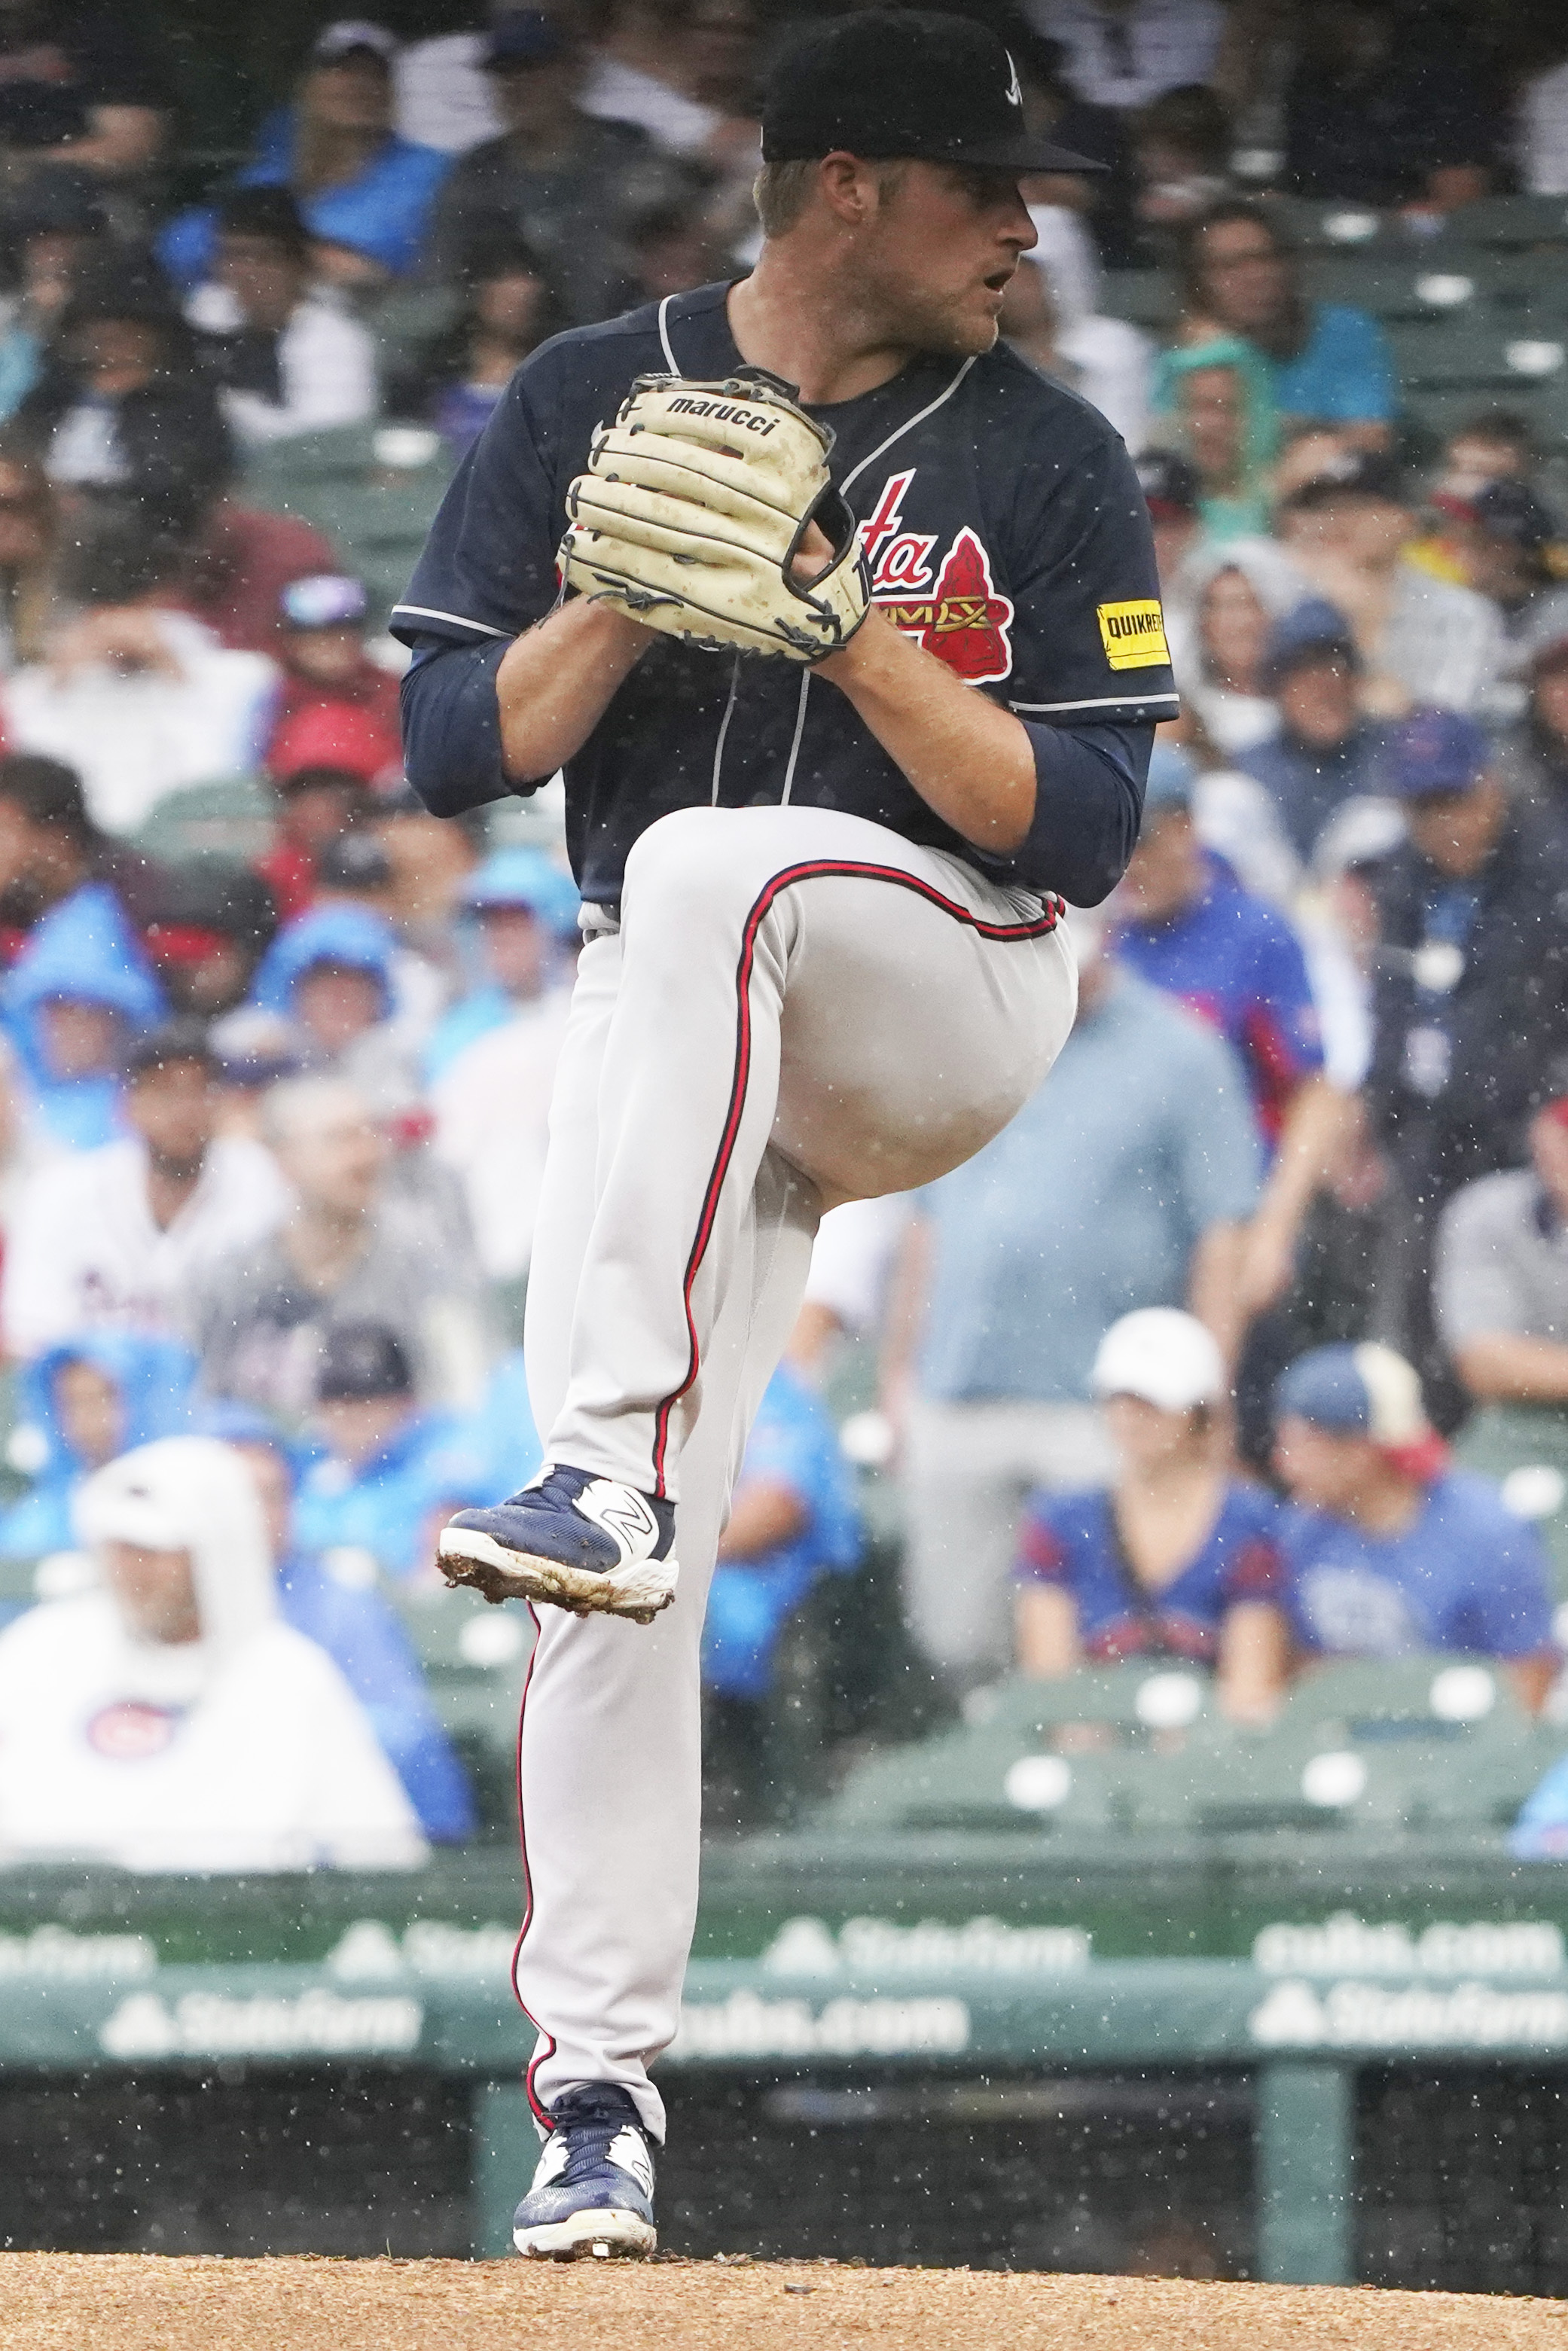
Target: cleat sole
[[465, 1556], [605, 2235]]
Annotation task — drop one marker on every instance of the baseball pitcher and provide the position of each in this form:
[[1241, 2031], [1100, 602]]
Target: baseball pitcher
[[843, 626]]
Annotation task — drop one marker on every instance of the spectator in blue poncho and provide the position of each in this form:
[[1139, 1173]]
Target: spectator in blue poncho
[[365, 194], [792, 1521], [84, 1402], [80, 989], [357, 1628], [390, 1468]]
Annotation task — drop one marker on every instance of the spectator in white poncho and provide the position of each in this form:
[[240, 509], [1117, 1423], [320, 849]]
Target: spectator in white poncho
[[166, 1718]]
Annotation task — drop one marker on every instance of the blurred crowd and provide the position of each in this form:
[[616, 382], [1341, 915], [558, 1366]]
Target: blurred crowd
[[1246, 1342]]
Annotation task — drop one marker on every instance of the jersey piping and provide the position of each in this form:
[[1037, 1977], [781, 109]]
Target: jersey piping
[[664, 334], [850, 478], [795, 745], [458, 620], [546, 2045], [1101, 702], [844, 869]]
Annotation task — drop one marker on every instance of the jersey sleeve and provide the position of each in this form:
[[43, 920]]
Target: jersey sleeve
[[1089, 627], [488, 573], [1092, 674]]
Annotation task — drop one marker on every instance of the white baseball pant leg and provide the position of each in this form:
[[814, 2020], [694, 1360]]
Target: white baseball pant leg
[[800, 1007]]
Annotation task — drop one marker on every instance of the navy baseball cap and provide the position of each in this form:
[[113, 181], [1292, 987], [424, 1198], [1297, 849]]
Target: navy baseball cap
[[1435, 751], [1312, 631], [526, 38], [1366, 1391], [890, 83]]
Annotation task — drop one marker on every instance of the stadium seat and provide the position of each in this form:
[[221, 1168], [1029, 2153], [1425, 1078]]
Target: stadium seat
[[1402, 288], [1093, 1753], [1395, 1744], [373, 489], [1511, 221]]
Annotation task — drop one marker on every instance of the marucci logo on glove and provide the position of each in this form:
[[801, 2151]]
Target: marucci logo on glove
[[747, 417], [955, 611]]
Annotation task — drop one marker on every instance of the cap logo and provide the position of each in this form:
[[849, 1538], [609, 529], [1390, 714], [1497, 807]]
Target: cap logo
[[1015, 89]]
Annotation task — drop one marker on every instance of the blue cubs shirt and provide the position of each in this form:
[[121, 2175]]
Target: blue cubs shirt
[[1239, 965], [1069, 1541], [793, 1442], [1004, 530], [1465, 1574]]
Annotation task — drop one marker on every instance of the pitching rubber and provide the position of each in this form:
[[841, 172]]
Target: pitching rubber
[[464, 1555]]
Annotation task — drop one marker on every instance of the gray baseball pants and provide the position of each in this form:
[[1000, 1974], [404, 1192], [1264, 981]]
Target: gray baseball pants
[[800, 1007]]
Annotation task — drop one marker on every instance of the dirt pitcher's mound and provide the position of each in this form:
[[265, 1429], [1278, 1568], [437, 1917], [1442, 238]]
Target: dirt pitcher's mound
[[66, 2302]]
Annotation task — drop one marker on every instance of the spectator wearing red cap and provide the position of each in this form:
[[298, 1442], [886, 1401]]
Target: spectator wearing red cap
[[329, 676], [317, 805]]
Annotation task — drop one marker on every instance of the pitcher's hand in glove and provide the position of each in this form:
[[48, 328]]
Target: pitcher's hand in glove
[[695, 505]]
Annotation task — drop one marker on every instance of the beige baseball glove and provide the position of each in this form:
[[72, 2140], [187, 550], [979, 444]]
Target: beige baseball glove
[[693, 508]]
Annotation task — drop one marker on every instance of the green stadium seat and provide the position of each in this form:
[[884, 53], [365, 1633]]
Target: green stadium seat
[[230, 822], [1525, 1449], [1403, 289], [1472, 346], [1408, 1743], [373, 489], [1510, 221], [1094, 1751], [1333, 225]]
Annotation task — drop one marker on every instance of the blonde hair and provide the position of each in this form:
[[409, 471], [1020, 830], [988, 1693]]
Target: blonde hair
[[781, 192]]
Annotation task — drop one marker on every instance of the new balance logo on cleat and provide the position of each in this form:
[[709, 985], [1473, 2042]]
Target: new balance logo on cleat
[[622, 1513], [571, 1540]]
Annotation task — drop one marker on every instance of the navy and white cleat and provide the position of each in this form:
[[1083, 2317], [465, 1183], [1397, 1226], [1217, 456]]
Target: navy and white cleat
[[573, 1540], [593, 2191]]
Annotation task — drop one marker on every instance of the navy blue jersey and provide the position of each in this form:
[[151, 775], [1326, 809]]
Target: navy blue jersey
[[1005, 531]]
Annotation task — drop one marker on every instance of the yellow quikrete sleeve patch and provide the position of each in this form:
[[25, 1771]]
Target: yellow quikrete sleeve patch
[[1134, 636]]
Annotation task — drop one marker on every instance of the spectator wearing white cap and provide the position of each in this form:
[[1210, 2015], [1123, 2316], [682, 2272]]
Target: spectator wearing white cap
[[1174, 1559], [168, 1719]]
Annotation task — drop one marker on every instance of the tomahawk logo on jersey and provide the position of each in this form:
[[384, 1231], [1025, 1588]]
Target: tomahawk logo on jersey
[[1004, 533], [950, 607]]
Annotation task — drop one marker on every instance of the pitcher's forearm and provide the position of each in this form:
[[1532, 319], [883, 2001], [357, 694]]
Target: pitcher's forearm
[[558, 680], [971, 762]]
